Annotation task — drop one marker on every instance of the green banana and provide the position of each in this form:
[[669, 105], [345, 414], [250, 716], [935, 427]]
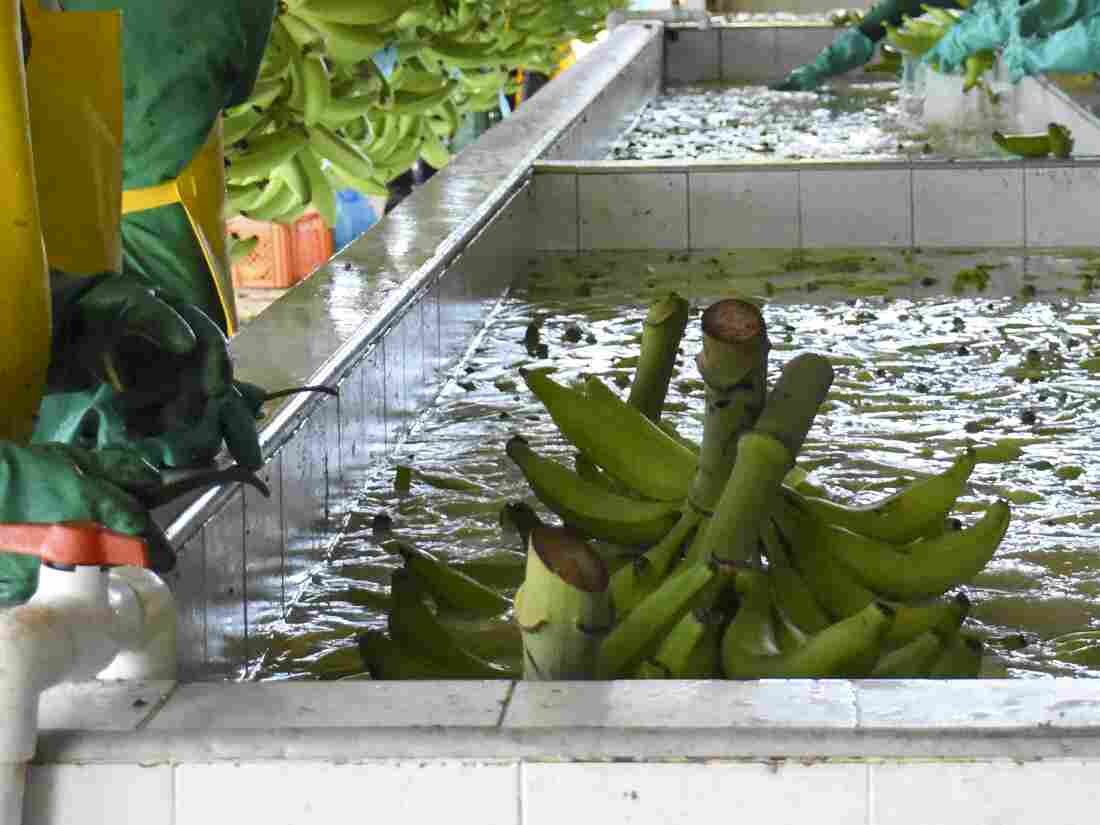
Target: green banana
[[619, 438], [943, 617], [589, 507], [264, 93], [339, 152], [385, 658], [750, 649], [352, 12], [1056, 139], [347, 43], [908, 514], [433, 151], [294, 176], [263, 155], [322, 195], [912, 661], [790, 593], [306, 38], [241, 198], [367, 186], [641, 576], [642, 630], [238, 126], [689, 651], [241, 248], [416, 628], [284, 200], [341, 110], [961, 659], [449, 586], [923, 569], [415, 103], [317, 89]]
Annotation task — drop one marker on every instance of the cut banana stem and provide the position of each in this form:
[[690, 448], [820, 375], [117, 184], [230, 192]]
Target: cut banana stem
[[564, 608], [734, 365], [662, 332]]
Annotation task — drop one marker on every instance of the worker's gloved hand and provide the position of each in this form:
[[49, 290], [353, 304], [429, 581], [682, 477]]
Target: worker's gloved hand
[[50, 483], [851, 49], [173, 402], [94, 317], [987, 25], [1074, 50]]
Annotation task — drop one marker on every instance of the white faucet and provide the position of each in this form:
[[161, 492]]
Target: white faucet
[[96, 612]]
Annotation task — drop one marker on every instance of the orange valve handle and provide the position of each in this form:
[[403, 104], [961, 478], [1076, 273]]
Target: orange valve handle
[[75, 543]]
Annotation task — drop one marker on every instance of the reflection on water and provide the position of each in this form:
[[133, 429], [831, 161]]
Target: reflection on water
[[932, 351]]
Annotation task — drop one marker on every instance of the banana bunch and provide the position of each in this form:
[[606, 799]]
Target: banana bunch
[[322, 117], [770, 578], [917, 36]]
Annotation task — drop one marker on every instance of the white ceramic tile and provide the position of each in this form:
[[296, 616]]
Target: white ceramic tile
[[691, 705], [1062, 205], [744, 209], [855, 207], [974, 704], [748, 55], [778, 793], [98, 795], [1073, 703], [99, 705], [968, 207], [795, 46], [691, 55], [640, 211], [318, 793], [1051, 792], [332, 704], [556, 212]]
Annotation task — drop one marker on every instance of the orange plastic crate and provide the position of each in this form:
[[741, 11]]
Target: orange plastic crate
[[312, 244], [271, 264]]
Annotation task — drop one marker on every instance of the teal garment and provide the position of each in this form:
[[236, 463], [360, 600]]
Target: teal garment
[[851, 49], [1073, 50], [183, 61], [1021, 30], [50, 483]]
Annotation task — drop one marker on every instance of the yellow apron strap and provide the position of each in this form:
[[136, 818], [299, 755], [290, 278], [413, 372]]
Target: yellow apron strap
[[200, 189]]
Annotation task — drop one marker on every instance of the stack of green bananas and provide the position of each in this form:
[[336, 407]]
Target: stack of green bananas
[[916, 36], [834, 591], [322, 117]]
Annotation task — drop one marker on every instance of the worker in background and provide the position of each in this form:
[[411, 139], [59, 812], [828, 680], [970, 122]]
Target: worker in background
[[1037, 36], [855, 46], [183, 62]]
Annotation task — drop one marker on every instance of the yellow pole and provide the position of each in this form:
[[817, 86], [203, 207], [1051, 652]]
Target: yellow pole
[[24, 288]]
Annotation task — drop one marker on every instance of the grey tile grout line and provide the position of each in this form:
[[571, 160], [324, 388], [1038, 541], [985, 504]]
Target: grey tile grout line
[[521, 796], [282, 532], [798, 206], [912, 207], [1023, 204], [721, 72], [577, 207], [244, 577], [687, 208], [869, 796], [506, 703]]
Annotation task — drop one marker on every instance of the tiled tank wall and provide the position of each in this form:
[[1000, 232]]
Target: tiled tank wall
[[786, 206]]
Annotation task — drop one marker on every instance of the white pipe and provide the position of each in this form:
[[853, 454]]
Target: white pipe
[[80, 623]]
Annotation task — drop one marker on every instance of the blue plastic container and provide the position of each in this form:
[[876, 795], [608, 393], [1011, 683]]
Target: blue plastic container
[[354, 216]]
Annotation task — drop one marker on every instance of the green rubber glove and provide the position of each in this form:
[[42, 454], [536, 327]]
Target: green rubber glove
[[49, 483], [851, 49], [175, 408], [987, 25], [93, 317], [1041, 18]]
